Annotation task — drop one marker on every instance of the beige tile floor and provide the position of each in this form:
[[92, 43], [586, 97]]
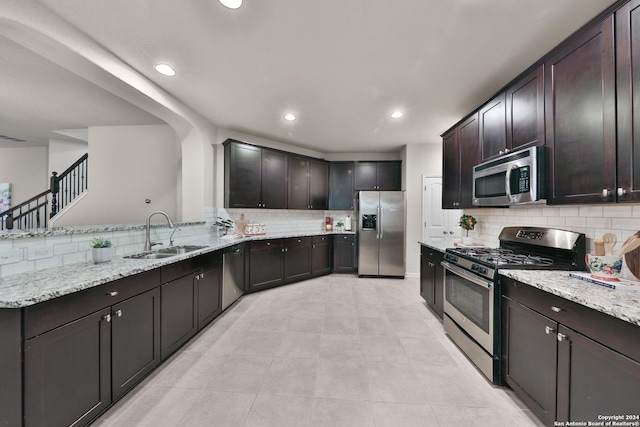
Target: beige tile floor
[[332, 351]]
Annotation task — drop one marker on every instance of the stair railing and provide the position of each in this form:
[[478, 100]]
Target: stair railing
[[63, 189]]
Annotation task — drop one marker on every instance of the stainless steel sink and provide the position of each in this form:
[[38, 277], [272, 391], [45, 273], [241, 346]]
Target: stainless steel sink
[[165, 252]]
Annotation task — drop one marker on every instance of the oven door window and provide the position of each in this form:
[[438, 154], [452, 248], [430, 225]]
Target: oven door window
[[491, 185], [471, 300]]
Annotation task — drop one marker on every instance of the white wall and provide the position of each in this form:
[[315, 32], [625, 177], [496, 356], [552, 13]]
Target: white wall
[[26, 169], [128, 164], [417, 159], [63, 154]]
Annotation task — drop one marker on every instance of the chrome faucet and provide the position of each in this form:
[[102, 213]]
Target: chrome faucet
[[147, 242]]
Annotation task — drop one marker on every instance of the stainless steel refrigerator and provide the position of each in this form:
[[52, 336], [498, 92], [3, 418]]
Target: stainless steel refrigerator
[[381, 233]]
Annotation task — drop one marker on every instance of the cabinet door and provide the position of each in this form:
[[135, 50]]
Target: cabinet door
[[243, 165], [298, 182], [450, 170], [427, 278], [438, 289], [135, 340], [266, 265], [469, 157], [67, 372], [297, 259], [321, 255], [628, 91], [341, 185], [274, 179], [493, 138], [178, 314], [580, 118], [529, 357], [594, 380], [318, 184], [344, 254], [209, 284], [525, 111], [365, 177], [389, 176], [11, 371]]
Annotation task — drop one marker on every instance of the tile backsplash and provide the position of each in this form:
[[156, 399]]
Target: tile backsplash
[[286, 220]]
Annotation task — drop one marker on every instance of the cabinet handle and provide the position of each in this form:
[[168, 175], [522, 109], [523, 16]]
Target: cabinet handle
[[621, 191], [313, 246], [563, 337], [501, 152], [549, 330], [268, 243], [112, 293], [106, 318], [451, 232], [118, 313], [506, 150], [431, 264], [605, 193], [556, 309]]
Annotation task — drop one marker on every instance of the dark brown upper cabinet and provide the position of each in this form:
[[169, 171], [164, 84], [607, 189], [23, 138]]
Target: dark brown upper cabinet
[[493, 137], [525, 111], [255, 177], [308, 183], [580, 101], [460, 155], [628, 98], [341, 176], [383, 176]]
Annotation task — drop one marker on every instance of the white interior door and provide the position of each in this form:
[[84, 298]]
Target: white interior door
[[439, 226]]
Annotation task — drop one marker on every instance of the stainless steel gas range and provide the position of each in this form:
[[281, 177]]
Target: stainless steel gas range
[[472, 285]]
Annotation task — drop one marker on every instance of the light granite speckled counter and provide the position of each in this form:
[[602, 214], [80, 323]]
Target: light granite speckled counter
[[438, 247], [624, 305], [26, 289]]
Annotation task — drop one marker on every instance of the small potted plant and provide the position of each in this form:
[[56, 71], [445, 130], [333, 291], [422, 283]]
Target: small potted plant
[[340, 226], [467, 222], [223, 224], [101, 251]]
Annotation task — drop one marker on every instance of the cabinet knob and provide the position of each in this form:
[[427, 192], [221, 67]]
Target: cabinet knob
[[506, 150], [118, 313], [112, 293], [501, 152], [556, 309], [605, 193], [549, 330], [268, 243], [562, 337], [621, 191], [444, 232], [451, 232], [106, 318]]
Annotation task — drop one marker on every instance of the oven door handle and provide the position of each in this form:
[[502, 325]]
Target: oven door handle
[[507, 183], [468, 276]]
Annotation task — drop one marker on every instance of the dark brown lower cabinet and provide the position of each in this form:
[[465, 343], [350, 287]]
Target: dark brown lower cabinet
[[432, 279], [266, 267], [562, 374], [321, 255], [67, 372], [209, 284], [11, 367], [179, 314], [297, 259], [344, 253]]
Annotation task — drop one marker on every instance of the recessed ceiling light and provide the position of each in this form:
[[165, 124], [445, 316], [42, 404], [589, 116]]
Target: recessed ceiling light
[[165, 69], [289, 117], [397, 114], [231, 4]]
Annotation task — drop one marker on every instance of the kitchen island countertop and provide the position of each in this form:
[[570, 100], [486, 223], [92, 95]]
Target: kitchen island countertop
[[22, 290], [624, 305]]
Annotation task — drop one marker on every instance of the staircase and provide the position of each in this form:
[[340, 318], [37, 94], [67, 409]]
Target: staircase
[[38, 210]]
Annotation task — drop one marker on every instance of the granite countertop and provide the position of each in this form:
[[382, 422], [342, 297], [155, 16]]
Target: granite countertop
[[437, 246], [22, 290], [624, 305]]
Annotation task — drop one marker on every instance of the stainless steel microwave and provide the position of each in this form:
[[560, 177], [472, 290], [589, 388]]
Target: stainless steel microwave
[[515, 178]]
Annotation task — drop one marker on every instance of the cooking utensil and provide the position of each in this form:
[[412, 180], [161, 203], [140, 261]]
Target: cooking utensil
[[630, 244], [610, 241]]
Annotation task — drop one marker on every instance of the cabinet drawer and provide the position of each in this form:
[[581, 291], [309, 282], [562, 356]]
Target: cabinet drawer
[[614, 333], [434, 256], [178, 269], [294, 242], [349, 238], [265, 245], [322, 239], [45, 316]]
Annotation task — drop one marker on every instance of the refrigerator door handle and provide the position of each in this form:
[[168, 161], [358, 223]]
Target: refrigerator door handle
[[381, 223], [378, 228]]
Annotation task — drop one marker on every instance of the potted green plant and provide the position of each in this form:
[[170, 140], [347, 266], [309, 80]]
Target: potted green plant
[[340, 226], [223, 224], [467, 222], [101, 250]]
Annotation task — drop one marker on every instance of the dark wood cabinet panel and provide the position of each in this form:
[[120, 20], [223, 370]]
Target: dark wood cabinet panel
[[460, 155], [243, 175], [344, 253], [450, 170], [321, 255], [525, 111], [67, 372], [319, 184], [274, 179], [11, 371], [135, 340], [266, 264], [432, 279], [298, 182], [341, 176], [529, 357], [594, 380], [628, 101], [297, 259], [493, 138], [580, 117], [209, 284], [179, 310], [373, 176]]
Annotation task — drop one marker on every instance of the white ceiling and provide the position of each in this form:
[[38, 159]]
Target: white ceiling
[[341, 66]]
